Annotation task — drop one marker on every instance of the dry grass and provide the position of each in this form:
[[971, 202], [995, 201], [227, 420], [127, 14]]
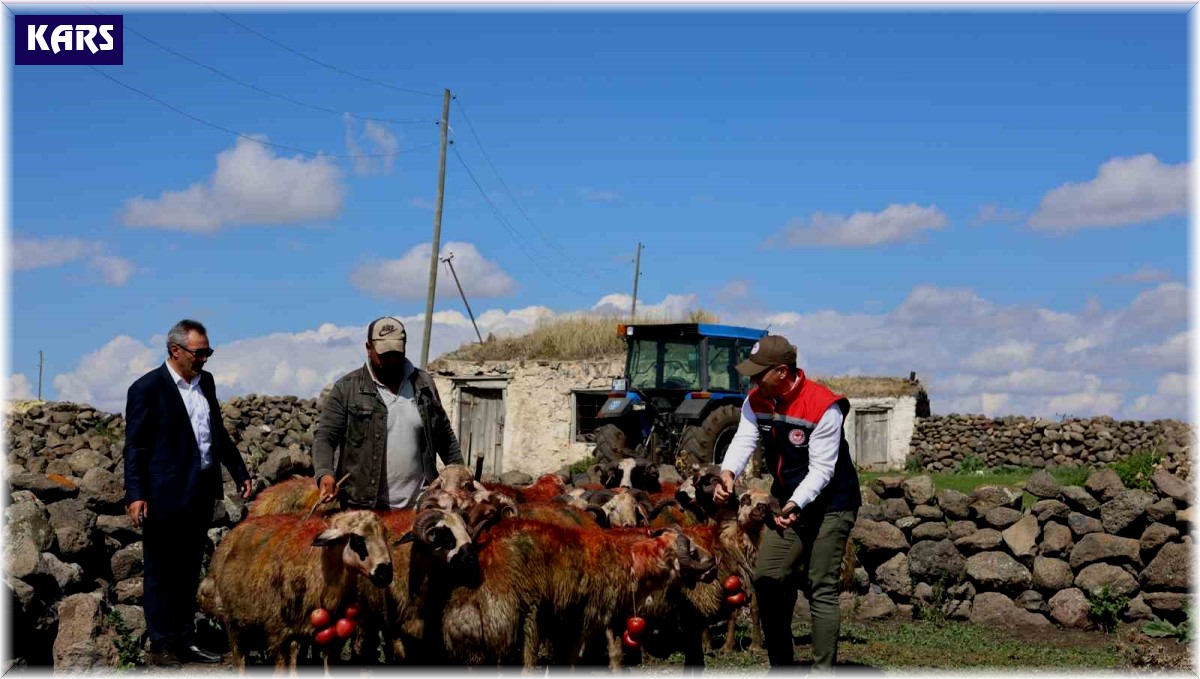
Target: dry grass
[[865, 387], [575, 338]]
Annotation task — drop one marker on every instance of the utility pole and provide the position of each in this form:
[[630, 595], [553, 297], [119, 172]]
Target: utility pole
[[448, 259], [437, 230], [40, 362], [637, 273]]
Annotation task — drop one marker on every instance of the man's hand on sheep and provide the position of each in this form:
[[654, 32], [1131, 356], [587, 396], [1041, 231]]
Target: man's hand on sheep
[[723, 490], [328, 488]]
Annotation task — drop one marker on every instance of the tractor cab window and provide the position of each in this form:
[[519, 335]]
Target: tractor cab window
[[721, 361], [660, 364]]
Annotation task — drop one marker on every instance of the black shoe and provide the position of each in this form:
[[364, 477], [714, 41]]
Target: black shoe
[[163, 659], [194, 653]]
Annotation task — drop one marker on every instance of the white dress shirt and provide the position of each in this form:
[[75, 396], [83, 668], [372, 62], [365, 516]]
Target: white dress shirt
[[823, 447], [198, 413]]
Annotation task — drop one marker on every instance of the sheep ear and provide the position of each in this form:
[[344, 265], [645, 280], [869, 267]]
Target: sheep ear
[[328, 537], [407, 537]]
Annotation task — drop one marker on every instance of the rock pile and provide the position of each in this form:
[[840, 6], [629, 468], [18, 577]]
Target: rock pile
[[941, 442], [979, 557]]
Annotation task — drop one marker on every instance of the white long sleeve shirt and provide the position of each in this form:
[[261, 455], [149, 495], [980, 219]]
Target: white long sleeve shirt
[[823, 447]]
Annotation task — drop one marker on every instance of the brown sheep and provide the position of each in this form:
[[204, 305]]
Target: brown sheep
[[296, 495], [268, 578]]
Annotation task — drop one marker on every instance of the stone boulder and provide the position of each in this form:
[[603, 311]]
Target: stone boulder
[[1170, 570], [1162, 511], [1002, 517], [982, 540], [283, 463], [931, 561], [956, 505], [1021, 537], [1097, 576], [875, 606], [930, 531], [998, 571], [878, 539], [1172, 486], [928, 513], [961, 529], [127, 562], [1078, 498], [515, 478], [47, 488], [102, 491], [993, 608], [73, 524], [1082, 524], [1104, 484], [986, 498], [895, 509], [1051, 575], [888, 486], [1069, 608], [1056, 540], [919, 490], [1125, 510], [1050, 510], [1042, 485], [31, 520], [81, 643], [1156, 535], [893, 577], [1095, 547]]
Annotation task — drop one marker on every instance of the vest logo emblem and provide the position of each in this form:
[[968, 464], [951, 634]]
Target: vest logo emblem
[[797, 437]]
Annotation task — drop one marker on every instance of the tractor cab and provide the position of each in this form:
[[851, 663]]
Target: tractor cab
[[677, 376]]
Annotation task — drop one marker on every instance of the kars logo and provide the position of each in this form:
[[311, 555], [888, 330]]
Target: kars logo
[[754, 349], [797, 437]]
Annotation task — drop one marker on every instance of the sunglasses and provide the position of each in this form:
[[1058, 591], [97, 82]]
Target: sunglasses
[[198, 353]]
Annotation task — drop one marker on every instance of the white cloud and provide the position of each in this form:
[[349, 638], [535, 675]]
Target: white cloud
[[251, 186], [378, 140], [1079, 344], [672, 308], [1171, 354], [733, 292], [1169, 400], [1085, 403], [422, 203], [19, 388], [1010, 355], [115, 270], [1125, 191], [895, 224], [103, 376], [994, 214], [1145, 274], [407, 278], [36, 253]]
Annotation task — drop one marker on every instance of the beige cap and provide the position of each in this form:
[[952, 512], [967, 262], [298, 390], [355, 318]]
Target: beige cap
[[387, 334], [767, 353]]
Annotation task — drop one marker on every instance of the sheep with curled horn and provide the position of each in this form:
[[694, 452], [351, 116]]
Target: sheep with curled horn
[[435, 549], [266, 579], [454, 488]]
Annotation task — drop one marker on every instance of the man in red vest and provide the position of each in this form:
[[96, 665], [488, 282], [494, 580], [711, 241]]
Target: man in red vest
[[799, 423]]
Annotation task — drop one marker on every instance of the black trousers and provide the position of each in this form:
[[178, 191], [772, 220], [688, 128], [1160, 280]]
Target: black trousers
[[172, 549]]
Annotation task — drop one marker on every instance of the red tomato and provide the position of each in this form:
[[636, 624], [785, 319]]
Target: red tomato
[[635, 625], [352, 612], [733, 584], [325, 636], [629, 641], [319, 618], [736, 599], [345, 628]]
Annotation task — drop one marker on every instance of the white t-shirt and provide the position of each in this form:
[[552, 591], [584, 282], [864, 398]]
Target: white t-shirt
[[402, 478]]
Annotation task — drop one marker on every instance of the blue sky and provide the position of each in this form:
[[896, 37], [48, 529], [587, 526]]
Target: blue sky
[[994, 200]]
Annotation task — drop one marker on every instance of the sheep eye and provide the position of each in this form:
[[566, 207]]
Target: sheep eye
[[359, 545]]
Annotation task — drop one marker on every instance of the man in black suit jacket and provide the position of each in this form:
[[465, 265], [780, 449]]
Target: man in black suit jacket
[[174, 440]]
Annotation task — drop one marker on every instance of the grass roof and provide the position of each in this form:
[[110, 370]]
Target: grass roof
[[592, 338]]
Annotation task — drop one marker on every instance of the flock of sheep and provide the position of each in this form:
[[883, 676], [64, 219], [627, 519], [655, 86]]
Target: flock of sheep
[[483, 573]]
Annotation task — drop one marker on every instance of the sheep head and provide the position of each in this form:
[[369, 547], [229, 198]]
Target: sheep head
[[364, 544], [445, 534]]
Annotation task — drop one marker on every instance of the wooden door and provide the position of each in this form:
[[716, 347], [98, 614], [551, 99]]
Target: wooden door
[[871, 438], [481, 427]]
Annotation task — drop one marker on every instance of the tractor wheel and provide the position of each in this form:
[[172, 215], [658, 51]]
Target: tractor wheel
[[611, 444], [706, 442]]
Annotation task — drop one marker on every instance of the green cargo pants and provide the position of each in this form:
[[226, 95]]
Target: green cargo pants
[[808, 557]]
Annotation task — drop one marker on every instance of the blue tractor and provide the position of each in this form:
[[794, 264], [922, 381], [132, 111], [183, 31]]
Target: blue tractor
[[679, 401]]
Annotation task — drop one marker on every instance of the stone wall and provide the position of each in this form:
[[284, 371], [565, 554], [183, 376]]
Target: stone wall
[[537, 425], [941, 442], [979, 557]]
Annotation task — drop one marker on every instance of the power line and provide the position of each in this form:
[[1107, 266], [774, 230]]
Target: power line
[[248, 137], [549, 241], [265, 91], [322, 63], [504, 221]]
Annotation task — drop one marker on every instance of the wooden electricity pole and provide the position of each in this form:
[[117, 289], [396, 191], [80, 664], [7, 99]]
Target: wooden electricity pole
[[449, 260], [637, 273], [40, 362], [437, 230]]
